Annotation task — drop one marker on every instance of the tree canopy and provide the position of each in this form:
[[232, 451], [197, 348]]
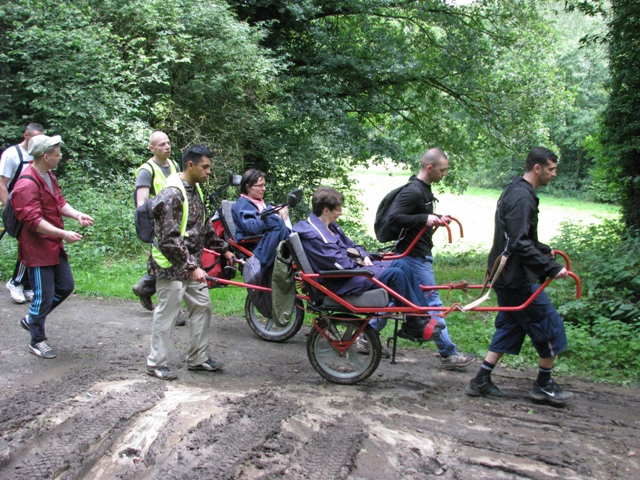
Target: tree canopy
[[104, 74], [307, 90]]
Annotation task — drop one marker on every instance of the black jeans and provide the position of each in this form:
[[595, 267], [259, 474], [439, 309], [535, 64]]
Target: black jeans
[[51, 285]]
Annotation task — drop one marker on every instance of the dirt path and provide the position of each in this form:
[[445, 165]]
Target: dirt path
[[93, 413]]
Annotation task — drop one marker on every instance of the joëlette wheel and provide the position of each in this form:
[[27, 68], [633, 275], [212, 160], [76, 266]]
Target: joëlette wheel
[[349, 367], [266, 328]]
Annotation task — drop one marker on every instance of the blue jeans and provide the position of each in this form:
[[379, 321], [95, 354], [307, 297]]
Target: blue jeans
[[422, 268]]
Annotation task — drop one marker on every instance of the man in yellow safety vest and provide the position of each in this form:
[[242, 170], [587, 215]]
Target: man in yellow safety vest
[[150, 179], [181, 233]]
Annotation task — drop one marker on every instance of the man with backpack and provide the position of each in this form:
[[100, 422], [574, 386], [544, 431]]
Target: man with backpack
[[150, 179], [411, 210], [38, 203], [176, 261], [15, 159]]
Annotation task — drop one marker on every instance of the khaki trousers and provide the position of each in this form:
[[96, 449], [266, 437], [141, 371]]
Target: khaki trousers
[[170, 294]]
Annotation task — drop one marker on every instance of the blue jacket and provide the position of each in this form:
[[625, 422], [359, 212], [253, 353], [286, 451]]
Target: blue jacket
[[326, 249], [247, 220], [248, 223]]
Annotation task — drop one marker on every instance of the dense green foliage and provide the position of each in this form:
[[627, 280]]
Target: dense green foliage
[[104, 74], [580, 71], [622, 118], [616, 146], [607, 317]]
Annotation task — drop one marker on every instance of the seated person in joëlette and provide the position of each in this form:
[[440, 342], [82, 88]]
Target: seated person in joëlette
[[246, 215], [326, 245]]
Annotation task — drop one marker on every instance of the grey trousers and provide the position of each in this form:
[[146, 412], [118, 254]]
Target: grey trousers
[[170, 295]]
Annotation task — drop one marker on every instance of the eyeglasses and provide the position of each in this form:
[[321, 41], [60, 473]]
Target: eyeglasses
[[259, 185]]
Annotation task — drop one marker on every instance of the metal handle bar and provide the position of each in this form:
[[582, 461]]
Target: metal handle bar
[[392, 256]]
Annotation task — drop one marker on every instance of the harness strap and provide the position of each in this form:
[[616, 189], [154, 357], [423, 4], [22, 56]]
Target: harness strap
[[490, 279]]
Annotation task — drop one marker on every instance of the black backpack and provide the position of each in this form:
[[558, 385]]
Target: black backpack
[[145, 223], [12, 225], [384, 231], [143, 215]]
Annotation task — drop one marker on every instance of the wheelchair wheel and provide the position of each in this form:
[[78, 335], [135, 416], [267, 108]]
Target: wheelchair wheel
[[266, 329], [345, 368]]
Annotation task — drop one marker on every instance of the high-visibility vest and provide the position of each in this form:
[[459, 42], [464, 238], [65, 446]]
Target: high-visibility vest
[[174, 181], [157, 177]]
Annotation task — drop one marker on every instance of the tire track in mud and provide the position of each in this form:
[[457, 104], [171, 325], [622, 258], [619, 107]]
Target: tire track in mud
[[257, 439], [218, 447], [330, 453], [69, 437]]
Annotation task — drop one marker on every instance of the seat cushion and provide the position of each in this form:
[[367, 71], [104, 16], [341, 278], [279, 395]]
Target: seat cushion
[[371, 298]]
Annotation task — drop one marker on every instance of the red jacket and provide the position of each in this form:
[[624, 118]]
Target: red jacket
[[33, 202]]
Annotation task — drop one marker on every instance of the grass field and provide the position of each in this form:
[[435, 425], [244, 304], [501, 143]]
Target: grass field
[[475, 209]]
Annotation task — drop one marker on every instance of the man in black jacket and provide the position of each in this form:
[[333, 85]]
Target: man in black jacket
[[411, 210], [527, 262]]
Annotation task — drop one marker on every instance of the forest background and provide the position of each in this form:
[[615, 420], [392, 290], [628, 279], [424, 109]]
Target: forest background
[[311, 90]]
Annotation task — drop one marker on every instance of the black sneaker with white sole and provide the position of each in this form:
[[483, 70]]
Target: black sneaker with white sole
[[24, 323], [208, 365], [164, 372], [550, 393], [43, 350]]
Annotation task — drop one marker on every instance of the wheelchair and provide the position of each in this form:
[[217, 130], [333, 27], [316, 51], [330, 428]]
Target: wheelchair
[[262, 326], [339, 321]]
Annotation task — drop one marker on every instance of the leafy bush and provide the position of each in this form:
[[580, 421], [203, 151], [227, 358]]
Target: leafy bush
[[605, 322], [110, 203]]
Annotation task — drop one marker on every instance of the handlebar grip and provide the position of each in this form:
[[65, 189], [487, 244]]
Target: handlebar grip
[[566, 258], [578, 283]]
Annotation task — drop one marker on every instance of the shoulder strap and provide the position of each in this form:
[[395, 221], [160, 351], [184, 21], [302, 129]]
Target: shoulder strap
[[153, 174], [18, 171], [30, 178]]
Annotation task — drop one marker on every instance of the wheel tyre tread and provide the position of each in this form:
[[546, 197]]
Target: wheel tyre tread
[[375, 348], [281, 335]]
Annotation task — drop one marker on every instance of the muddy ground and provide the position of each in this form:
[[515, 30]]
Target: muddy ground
[[93, 413]]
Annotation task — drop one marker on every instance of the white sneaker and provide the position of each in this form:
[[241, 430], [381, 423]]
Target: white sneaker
[[17, 292], [28, 294]]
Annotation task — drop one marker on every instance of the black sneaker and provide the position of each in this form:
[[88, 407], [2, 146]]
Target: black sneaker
[[42, 350], [483, 389], [165, 373], [550, 393], [420, 329], [208, 365], [181, 320], [145, 299], [24, 323]]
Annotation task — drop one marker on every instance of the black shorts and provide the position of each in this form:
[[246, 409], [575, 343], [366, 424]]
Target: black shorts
[[540, 321]]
